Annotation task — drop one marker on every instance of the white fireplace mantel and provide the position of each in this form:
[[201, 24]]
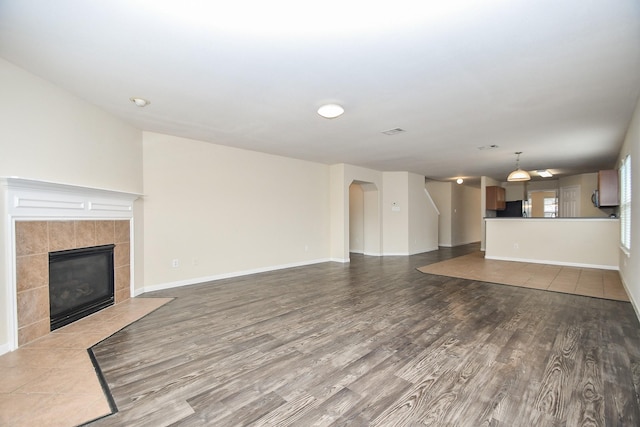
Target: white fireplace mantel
[[28, 199]]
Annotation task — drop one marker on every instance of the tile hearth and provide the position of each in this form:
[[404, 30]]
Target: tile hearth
[[51, 381]]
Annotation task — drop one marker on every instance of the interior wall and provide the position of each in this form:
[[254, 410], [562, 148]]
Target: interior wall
[[515, 191], [388, 198], [537, 202], [395, 213], [465, 224], [223, 211], [441, 194], [423, 217], [630, 262], [356, 218], [372, 243], [340, 178], [6, 277], [528, 240], [485, 182], [48, 134], [546, 185], [587, 182]]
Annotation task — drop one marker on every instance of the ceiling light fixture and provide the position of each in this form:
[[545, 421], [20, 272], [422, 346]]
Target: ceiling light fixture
[[518, 174], [545, 173], [459, 180], [330, 111], [140, 102]]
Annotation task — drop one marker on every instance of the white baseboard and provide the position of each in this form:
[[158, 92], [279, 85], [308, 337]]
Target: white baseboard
[[450, 245], [634, 304], [564, 264], [466, 243], [422, 251], [197, 280], [5, 348]]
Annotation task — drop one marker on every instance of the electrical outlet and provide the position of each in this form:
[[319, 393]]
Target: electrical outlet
[[175, 263]]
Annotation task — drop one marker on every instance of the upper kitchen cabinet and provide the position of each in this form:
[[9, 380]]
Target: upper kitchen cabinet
[[496, 200], [608, 192]]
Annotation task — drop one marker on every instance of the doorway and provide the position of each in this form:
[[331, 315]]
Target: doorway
[[570, 201], [364, 218]]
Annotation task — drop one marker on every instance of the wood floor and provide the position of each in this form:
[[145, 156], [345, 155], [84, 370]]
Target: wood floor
[[374, 343]]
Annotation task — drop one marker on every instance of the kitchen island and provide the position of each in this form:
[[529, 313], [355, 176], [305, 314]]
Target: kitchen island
[[579, 242]]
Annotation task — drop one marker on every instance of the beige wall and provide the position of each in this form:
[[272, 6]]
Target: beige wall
[[441, 194], [409, 220], [223, 211], [465, 224], [48, 134], [341, 176], [630, 262], [485, 182], [579, 242], [356, 218], [537, 202], [395, 213], [515, 191], [459, 206], [587, 182], [408, 226], [546, 185], [423, 217]]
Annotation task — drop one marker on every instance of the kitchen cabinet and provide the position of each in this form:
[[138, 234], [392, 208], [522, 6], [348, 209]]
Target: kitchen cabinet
[[496, 199], [608, 192]]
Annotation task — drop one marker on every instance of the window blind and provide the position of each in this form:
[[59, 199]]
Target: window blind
[[625, 203]]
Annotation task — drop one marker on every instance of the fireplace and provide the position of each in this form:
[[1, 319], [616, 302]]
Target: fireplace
[[81, 282], [47, 217]]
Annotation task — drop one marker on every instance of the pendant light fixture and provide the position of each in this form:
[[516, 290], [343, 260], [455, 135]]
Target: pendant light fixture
[[518, 174]]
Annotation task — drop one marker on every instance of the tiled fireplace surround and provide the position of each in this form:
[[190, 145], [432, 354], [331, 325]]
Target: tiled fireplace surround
[[43, 217], [33, 242]]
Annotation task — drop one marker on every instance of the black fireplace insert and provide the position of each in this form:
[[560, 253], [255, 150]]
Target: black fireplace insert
[[81, 282]]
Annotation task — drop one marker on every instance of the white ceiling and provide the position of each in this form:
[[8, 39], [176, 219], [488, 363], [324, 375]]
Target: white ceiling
[[557, 80]]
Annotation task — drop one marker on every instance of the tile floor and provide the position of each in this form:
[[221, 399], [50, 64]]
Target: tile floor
[[589, 282], [52, 382]]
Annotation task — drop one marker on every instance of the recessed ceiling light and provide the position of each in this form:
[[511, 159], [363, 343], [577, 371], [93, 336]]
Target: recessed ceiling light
[[330, 111], [544, 173], [459, 180], [140, 102]]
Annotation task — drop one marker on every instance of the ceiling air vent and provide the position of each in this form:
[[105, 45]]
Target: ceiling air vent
[[393, 131], [488, 147]]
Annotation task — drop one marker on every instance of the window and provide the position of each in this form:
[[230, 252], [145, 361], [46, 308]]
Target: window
[[550, 207], [625, 203]]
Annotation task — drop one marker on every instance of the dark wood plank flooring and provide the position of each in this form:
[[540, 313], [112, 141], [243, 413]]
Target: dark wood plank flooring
[[374, 343]]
